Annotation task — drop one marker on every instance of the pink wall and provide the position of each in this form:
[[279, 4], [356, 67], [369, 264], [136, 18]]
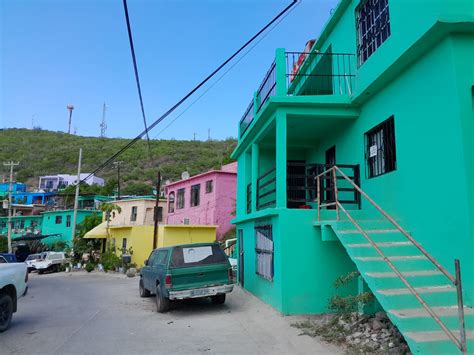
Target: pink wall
[[215, 208]]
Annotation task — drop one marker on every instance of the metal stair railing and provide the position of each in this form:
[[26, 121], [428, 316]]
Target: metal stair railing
[[456, 281]]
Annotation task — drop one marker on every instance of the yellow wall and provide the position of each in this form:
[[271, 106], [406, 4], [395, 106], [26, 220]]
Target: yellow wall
[[140, 238]]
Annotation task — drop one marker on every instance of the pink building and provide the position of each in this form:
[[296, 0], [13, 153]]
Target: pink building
[[207, 198]]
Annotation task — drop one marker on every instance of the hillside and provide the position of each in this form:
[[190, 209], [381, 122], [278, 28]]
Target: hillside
[[43, 152]]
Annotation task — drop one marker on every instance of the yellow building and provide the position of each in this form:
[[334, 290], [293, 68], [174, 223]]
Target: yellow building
[[133, 229]]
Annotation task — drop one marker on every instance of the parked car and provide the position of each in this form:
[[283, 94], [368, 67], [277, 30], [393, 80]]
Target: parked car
[[9, 257], [32, 258], [51, 261], [186, 271], [13, 279]]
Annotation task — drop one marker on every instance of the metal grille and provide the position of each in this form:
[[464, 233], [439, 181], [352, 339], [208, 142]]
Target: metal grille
[[246, 119], [373, 27], [267, 87], [264, 250], [249, 198], [380, 149]]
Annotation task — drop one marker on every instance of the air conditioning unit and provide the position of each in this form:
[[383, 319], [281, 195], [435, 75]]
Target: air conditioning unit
[[186, 221]]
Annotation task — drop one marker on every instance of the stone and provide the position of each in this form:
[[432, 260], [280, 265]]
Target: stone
[[381, 315], [357, 334], [377, 325], [131, 272], [391, 344]]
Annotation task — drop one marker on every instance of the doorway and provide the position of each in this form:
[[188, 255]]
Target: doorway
[[329, 181], [240, 241]]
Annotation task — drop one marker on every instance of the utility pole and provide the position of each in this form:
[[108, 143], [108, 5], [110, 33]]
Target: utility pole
[[103, 124], [11, 164], [76, 199], [157, 202], [194, 136], [208, 134], [117, 165], [70, 108]]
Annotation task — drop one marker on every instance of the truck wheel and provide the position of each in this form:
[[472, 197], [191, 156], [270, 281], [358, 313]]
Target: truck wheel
[[143, 291], [218, 299], [162, 303], [6, 311], [40, 272]]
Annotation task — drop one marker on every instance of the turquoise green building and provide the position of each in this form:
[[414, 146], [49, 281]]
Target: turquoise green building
[[385, 94], [60, 223], [22, 225]]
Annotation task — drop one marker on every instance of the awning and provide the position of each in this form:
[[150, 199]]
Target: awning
[[99, 231], [31, 236]]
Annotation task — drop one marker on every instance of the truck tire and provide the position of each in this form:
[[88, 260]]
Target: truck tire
[[162, 303], [142, 290], [6, 311], [218, 299]]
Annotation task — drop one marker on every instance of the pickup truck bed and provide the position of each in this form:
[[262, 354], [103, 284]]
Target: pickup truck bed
[[13, 278]]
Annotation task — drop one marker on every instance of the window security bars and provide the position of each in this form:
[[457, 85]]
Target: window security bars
[[266, 189], [195, 195], [171, 202], [380, 149], [249, 198], [209, 186], [68, 221], [264, 250], [180, 199], [133, 216], [373, 27]]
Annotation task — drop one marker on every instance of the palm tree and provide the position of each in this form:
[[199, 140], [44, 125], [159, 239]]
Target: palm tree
[[108, 208]]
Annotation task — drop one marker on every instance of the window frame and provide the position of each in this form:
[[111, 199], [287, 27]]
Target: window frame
[[373, 35], [209, 186], [383, 133], [195, 195], [171, 200], [134, 214], [58, 220], [68, 220], [265, 230], [158, 212], [180, 198]]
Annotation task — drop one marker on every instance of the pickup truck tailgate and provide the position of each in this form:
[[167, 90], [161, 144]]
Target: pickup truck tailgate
[[199, 276]]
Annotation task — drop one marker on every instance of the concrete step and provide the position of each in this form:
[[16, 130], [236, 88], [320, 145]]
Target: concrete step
[[421, 312], [388, 249], [368, 231], [431, 336], [381, 244], [405, 274], [406, 291], [392, 258]]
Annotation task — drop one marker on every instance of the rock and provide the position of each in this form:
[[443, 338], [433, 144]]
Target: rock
[[381, 316], [391, 344], [131, 272], [377, 325], [357, 334]]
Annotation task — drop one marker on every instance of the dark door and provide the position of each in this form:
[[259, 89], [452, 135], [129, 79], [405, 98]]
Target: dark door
[[296, 187], [329, 182], [240, 236]]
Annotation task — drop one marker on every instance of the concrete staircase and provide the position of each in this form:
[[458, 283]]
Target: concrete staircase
[[422, 333]]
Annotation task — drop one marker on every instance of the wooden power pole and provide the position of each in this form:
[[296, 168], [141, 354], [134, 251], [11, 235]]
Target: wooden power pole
[[11, 164], [76, 199], [155, 229]]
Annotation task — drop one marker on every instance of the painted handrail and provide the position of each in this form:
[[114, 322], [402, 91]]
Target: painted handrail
[[460, 344]]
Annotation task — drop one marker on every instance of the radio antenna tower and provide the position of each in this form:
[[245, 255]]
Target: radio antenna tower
[[69, 108], [103, 124]]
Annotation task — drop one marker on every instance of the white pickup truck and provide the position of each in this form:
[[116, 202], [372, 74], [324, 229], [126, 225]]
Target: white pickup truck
[[50, 261], [13, 279]]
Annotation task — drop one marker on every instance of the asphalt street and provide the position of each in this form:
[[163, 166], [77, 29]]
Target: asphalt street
[[97, 313]]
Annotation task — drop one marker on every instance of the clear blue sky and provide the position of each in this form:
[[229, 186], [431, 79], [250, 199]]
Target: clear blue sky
[[55, 52]]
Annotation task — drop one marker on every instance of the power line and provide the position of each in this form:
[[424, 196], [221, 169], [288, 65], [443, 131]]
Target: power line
[[137, 78], [222, 76], [197, 87]]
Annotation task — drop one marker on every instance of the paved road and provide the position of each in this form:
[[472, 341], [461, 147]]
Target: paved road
[[98, 313]]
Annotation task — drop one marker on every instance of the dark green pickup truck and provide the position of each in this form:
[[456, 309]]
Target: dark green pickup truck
[[186, 271]]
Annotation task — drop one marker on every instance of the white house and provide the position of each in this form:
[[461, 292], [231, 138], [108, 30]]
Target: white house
[[61, 181]]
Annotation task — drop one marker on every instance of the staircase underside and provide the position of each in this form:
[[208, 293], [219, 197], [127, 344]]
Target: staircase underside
[[420, 330]]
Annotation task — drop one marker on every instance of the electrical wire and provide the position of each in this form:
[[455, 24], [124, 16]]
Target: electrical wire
[[224, 74], [137, 78], [184, 98]]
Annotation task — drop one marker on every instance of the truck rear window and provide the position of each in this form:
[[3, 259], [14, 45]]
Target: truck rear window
[[200, 255]]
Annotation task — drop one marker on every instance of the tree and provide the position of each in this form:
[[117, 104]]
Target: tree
[[108, 208], [81, 245]]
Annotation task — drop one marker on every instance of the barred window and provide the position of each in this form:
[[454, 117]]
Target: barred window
[[68, 220], [264, 250], [195, 195], [133, 216], [373, 27], [209, 186], [380, 149], [180, 199], [171, 202], [59, 219]]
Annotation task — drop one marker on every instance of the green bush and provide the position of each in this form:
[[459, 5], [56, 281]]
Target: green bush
[[90, 267], [110, 260]]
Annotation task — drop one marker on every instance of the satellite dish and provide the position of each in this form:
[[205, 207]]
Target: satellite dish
[[185, 175]]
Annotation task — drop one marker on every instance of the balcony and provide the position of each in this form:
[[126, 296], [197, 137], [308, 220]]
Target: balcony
[[301, 74], [301, 187]]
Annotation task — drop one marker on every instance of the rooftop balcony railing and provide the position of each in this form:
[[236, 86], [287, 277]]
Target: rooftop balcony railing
[[302, 74]]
